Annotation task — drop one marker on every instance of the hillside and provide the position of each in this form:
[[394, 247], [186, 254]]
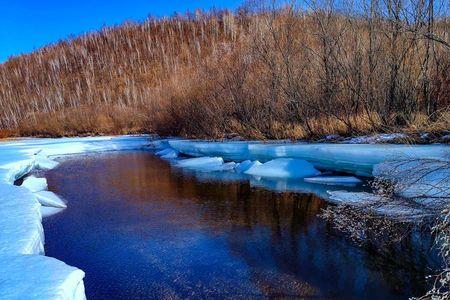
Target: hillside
[[283, 73]]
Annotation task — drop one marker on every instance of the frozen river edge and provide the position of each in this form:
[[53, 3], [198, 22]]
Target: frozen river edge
[[27, 274]]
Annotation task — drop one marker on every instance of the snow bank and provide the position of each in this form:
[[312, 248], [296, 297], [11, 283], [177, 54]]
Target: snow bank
[[24, 274], [35, 184], [334, 180], [39, 277], [283, 168], [20, 222]]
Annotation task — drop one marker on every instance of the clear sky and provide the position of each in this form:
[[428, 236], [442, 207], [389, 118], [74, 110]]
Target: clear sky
[[26, 25]]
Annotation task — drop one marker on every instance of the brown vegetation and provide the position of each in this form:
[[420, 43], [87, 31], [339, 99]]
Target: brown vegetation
[[258, 73]]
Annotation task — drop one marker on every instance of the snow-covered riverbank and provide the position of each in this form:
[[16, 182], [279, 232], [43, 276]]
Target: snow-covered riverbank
[[26, 273]]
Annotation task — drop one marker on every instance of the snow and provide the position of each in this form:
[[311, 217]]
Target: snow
[[35, 184], [417, 178], [20, 222], [25, 273], [284, 165], [47, 211], [45, 163], [377, 138], [378, 204], [50, 199], [283, 168], [39, 277], [334, 180]]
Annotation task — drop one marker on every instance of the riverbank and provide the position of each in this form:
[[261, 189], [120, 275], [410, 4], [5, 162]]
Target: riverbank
[[26, 273], [21, 214]]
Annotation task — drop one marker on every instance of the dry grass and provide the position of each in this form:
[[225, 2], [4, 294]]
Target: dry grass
[[261, 74]]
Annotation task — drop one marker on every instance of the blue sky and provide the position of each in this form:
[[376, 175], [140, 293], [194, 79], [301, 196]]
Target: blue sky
[[26, 25]]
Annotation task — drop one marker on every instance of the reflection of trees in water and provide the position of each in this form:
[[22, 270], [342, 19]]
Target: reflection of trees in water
[[287, 249], [291, 239]]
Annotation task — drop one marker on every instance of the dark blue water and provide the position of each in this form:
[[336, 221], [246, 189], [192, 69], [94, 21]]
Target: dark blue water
[[141, 229]]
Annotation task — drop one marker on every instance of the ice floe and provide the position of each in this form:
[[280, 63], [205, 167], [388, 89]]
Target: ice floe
[[246, 165], [50, 199], [168, 153], [283, 168], [206, 164], [47, 211]]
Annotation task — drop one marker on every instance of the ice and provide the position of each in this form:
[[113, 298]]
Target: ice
[[35, 184], [168, 153], [232, 150], [20, 222], [294, 185], [24, 273], [355, 198], [47, 211], [206, 164], [334, 180], [417, 178], [39, 277], [357, 159], [283, 168], [378, 204], [44, 163], [245, 165], [50, 199]]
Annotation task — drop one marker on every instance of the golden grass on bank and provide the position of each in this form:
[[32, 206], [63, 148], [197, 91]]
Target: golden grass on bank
[[283, 73]]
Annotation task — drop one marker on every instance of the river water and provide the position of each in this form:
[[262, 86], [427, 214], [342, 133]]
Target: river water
[[143, 229]]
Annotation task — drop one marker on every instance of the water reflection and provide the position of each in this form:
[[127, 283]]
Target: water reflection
[[142, 229]]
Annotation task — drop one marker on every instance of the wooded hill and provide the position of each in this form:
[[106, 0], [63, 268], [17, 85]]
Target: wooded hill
[[286, 72]]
